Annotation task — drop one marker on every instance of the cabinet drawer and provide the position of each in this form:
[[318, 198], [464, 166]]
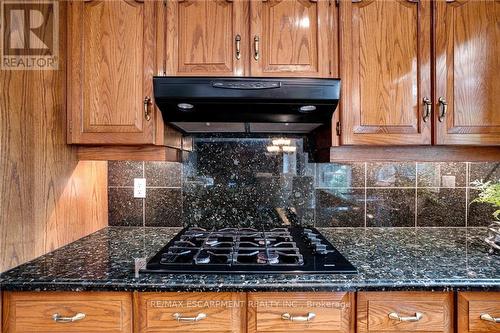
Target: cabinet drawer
[[472, 305], [434, 311], [288, 312], [191, 312], [34, 312]]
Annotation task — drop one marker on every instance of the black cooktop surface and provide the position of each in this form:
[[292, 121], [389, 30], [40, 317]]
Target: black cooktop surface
[[291, 250]]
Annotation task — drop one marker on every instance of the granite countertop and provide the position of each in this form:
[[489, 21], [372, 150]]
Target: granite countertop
[[387, 259]]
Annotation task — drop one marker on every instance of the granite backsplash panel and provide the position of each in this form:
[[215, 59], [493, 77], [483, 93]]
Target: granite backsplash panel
[[239, 182]]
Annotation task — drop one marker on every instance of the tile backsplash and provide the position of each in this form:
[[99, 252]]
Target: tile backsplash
[[238, 182]]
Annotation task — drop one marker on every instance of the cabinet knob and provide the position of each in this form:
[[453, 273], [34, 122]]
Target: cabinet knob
[[443, 108], [60, 319], [147, 111], [395, 316], [491, 319], [199, 316], [310, 316], [427, 108], [256, 40], [237, 41]]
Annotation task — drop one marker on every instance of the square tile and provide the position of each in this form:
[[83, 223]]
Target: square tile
[[441, 174], [340, 175], [340, 208], [122, 173], [124, 209], [390, 208], [479, 214], [391, 174], [487, 171], [441, 207], [163, 174], [163, 207]]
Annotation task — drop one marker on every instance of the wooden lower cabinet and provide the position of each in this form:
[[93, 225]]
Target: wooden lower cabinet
[[190, 312], [402, 312], [301, 312], [78, 312], [478, 312]]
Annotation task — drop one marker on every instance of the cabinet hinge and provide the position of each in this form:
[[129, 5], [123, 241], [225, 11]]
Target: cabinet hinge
[[338, 129]]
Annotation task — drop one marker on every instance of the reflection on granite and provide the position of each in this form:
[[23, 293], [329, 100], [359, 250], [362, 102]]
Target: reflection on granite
[[386, 258], [479, 214], [441, 207], [228, 182], [333, 175], [391, 174], [441, 174], [340, 207], [390, 207]]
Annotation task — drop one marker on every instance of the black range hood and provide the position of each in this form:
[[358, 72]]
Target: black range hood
[[248, 105]]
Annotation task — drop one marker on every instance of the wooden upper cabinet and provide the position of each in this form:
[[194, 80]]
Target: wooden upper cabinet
[[110, 69], [203, 37], [290, 38], [385, 71], [467, 68]]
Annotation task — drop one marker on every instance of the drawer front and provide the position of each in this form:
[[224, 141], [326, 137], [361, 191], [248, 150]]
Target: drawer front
[[300, 312], [473, 305], [97, 312], [191, 312], [405, 312]]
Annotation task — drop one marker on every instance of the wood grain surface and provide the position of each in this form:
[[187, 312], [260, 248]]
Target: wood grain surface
[[467, 46], [471, 305], [47, 197]]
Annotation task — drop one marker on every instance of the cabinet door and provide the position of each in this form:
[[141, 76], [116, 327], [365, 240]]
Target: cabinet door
[[467, 69], [385, 72], [290, 38], [203, 37], [111, 61]]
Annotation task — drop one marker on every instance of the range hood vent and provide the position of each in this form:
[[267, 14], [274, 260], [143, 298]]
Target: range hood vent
[[263, 105]]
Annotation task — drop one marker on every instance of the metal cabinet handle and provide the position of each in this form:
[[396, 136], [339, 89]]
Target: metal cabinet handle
[[199, 316], [427, 109], [237, 41], [444, 108], [310, 316], [256, 40], [59, 319], [395, 316], [488, 317], [147, 111]]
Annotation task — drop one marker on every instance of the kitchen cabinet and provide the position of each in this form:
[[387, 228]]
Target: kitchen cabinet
[[76, 312], [405, 312], [249, 38], [386, 72], [467, 44], [284, 312], [111, 63], [207, 38], [191, 312], [290, 38], [478, 312]]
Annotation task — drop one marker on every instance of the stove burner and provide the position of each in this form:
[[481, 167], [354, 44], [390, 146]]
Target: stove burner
[[248, 250], [271, 258]]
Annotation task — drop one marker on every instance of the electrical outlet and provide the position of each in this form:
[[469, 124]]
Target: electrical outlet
[[139, 187]]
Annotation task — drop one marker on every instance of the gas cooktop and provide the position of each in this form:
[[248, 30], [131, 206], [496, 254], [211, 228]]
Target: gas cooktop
[[245, 250]]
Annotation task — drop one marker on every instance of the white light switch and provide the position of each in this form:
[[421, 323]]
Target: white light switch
[[139, 187]]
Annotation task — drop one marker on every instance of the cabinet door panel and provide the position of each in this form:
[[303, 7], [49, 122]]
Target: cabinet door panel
[[201, 37], [293, 38], [385, 72], [110, 71], [467, 67]]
